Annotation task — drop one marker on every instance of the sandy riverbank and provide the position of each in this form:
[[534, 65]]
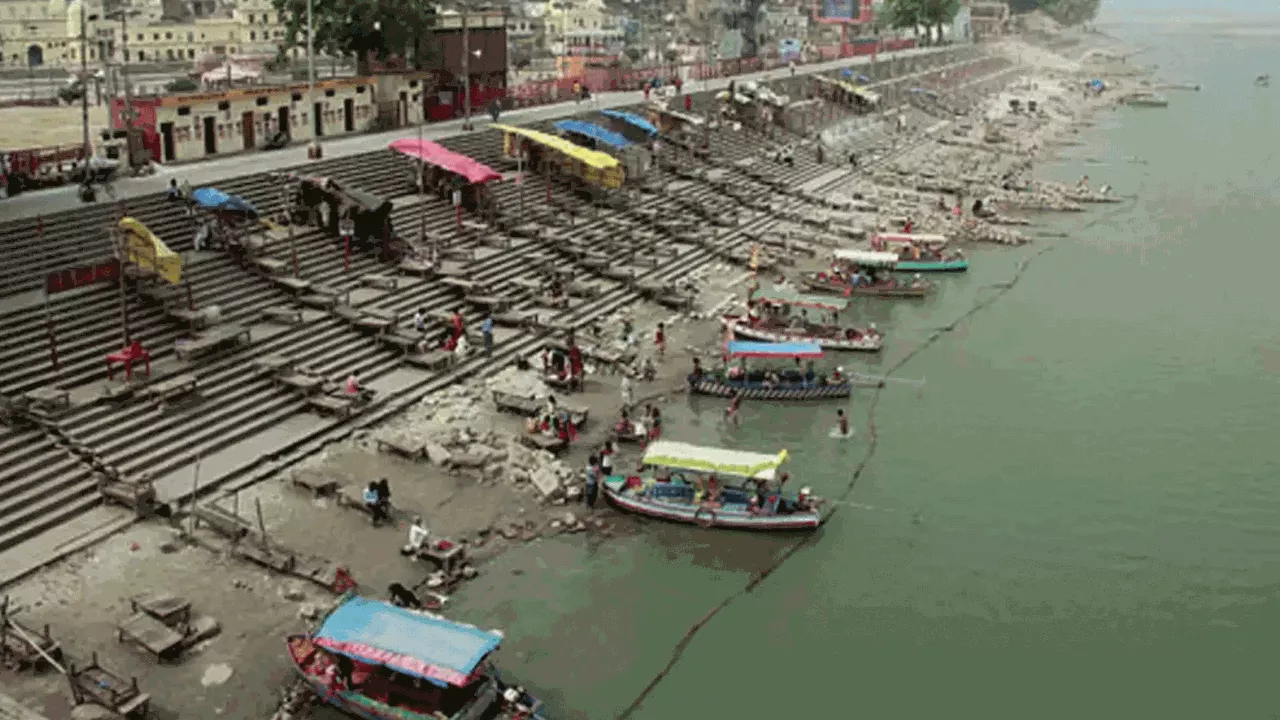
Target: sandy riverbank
[[499, 504]]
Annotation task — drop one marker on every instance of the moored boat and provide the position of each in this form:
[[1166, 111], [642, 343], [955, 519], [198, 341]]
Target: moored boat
[[671, 486], [769, 384], [381, 662], [921, 253], [785, 317], [866, 273]]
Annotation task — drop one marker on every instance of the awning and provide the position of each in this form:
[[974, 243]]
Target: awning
[[820, 302], [446, 159], [594, 132], [746, 349], [866, 258], [683, 456], [602, 168], [432, 648], [212, 198], [633, 120], [148, 252]]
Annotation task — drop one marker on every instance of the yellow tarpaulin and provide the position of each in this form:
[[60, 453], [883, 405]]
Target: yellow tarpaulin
[[144, 249], [598, 168]]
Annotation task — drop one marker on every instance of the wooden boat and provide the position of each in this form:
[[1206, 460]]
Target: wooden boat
[[828, 337], [921, 253], [872, 268], [398, 664], [788, 384], [670, 488], [1146, 99]]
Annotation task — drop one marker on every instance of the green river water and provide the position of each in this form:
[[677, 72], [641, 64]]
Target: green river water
[[1075, 518]]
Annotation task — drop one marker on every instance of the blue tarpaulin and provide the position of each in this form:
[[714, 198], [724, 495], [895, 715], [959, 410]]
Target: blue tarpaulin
[[214, 199], [432, 648], [633, 120], [847, 73], [1096, 84], [739, 348], [594, 132]]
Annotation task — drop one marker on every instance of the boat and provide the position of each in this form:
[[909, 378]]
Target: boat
[[782, 316], [773, 384], [1147, 99], [921, 253], [864, 273], [1263, 80], [400, 664], [670, 487]]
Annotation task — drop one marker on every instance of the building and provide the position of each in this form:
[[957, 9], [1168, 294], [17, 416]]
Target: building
[[988, 18], [585, 27], [782, 22], [36, 34]]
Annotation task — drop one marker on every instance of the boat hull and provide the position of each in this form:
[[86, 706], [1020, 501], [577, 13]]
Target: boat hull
[[865, 343], [717, 519], [755, 391], [923, 266], [866, 290]]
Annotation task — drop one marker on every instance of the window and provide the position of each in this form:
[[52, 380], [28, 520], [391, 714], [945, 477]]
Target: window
[[141, 37], [191, 37], [155, 37], [250, 18], [168, 36], [253, 35], [191, 54], [142, 55]]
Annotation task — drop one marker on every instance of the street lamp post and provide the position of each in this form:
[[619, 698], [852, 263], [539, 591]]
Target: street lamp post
[[123, 16], [84, 90], [311, 79], [466, 71]]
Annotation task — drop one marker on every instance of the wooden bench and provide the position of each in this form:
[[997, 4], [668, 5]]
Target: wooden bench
[[516, 318], [318, 301], [341, 405], [282, 314], [538, 441], [403, 446], [403, 342], [48, 400], [457, 283], [494, 303], [193, 319], [270, 266], [213, 340], [272, 364], [297, 286], [172, 388], [376, 322], [95, 684], [433, 360], [301, 381], [150, 634], [384, 282], [419, 268]]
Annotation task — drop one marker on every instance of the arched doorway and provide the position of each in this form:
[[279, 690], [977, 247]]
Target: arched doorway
[[35, 56]]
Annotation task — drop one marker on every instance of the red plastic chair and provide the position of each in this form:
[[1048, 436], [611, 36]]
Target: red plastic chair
[[127, 357]]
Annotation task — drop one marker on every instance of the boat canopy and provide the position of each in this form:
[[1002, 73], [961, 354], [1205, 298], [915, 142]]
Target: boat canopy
[[438, 155], [746, 349], [683, 118], [866, 258], [426, 646], [912, 239], [633, 120], [600, 168], [736, 463], [148, 252], [819, 302], [600, 135], [212, 198]]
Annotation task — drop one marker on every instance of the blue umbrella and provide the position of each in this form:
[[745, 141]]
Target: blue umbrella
[[212, 198]]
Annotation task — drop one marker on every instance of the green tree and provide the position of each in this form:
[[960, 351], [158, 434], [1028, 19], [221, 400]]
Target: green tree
[[359, 28], [938, 14], [904, 14], [1071, 12]]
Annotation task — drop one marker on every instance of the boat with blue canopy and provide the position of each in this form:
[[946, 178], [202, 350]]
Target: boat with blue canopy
[[382, 662], [633, 121], [593, 134], [714, 488], [792, 382], [211, 198], [920, 252]]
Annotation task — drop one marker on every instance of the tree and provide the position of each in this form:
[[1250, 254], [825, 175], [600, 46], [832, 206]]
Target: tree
[[938, 13], [1071, 12], [360, 28], [904, 14]]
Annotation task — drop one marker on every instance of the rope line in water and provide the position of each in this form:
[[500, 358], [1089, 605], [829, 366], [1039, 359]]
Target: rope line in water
[[756, 580]]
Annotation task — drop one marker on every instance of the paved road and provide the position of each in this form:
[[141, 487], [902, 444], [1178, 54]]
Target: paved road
[[213, 171]]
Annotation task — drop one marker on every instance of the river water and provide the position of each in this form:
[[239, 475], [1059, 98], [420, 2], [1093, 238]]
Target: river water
[[1076, 517]]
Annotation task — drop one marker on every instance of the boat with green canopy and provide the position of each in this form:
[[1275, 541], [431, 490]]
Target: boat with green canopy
[[920, 252], [714, 488]]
